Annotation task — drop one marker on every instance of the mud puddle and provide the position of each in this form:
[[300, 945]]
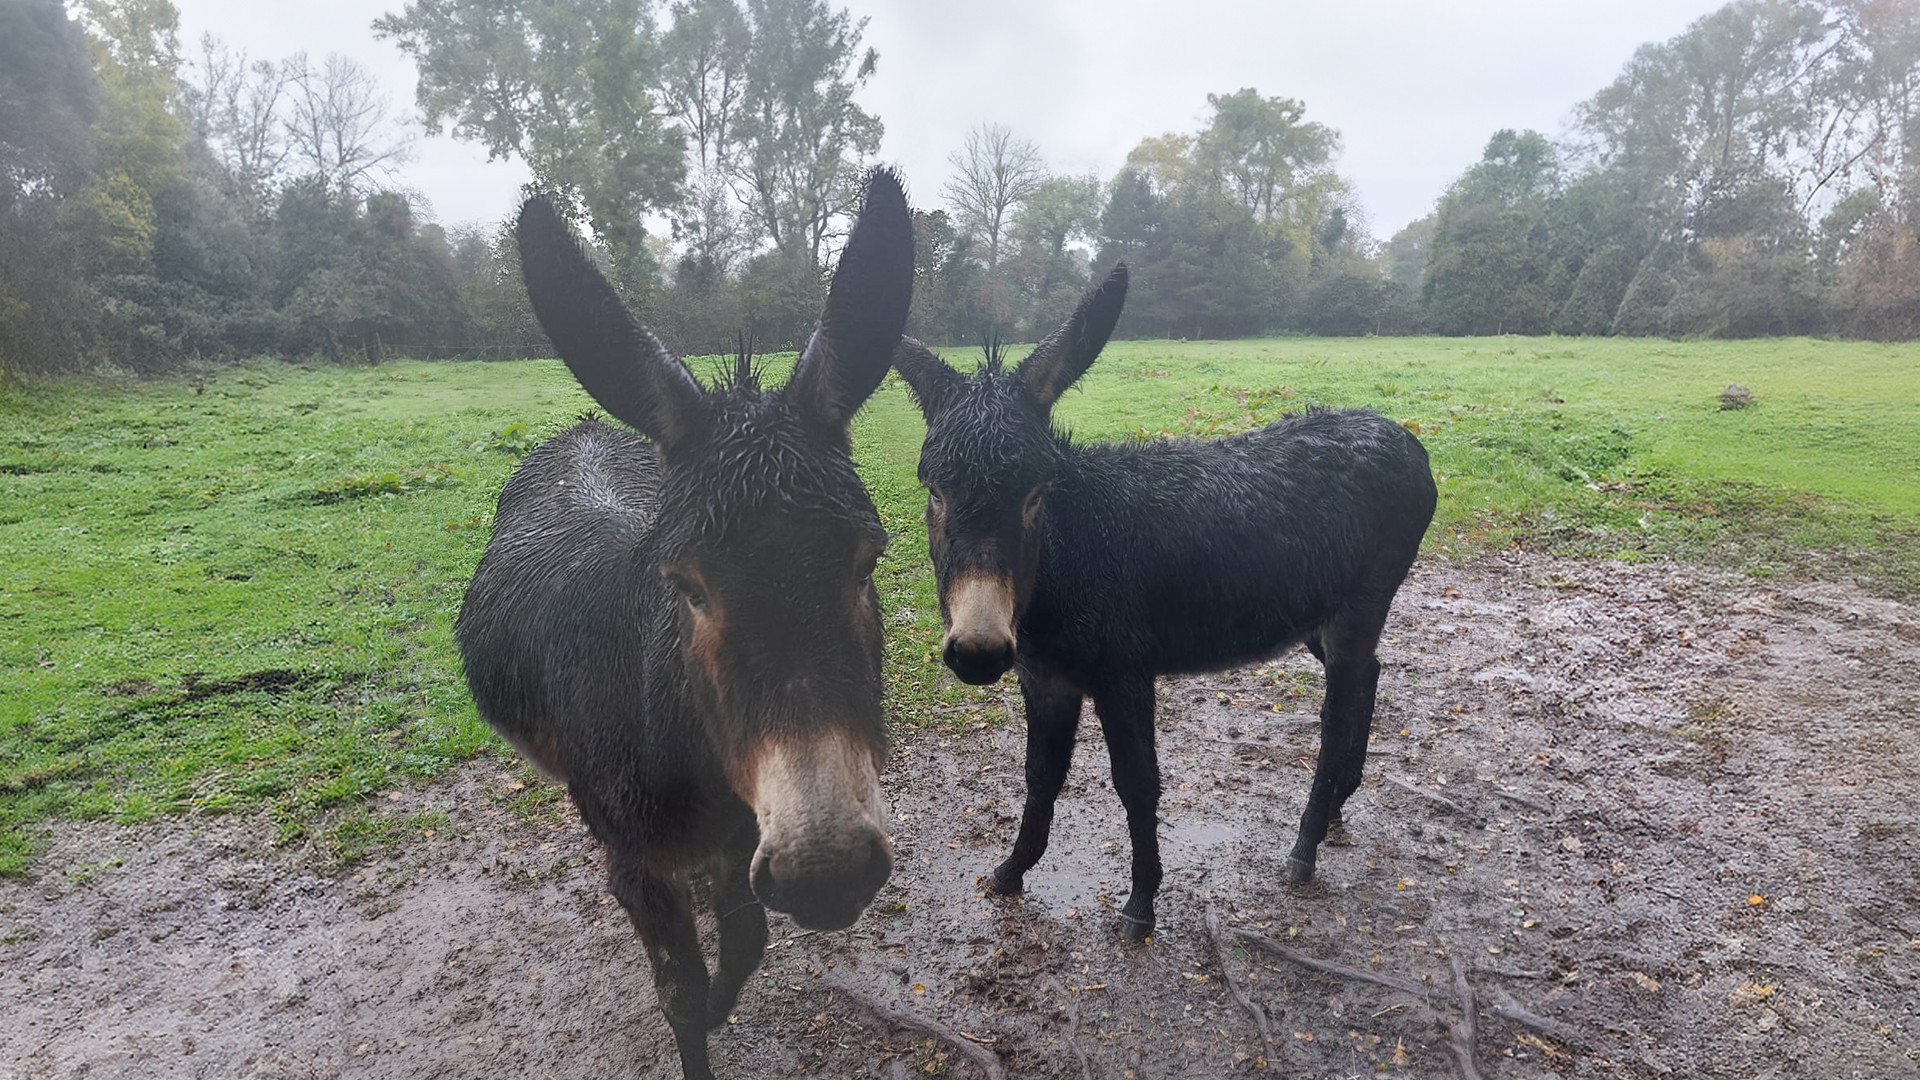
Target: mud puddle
[[1664, 820]]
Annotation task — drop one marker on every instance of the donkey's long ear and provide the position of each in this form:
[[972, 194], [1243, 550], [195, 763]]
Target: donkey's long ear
[[1066, 353], [866, 309], [932, 380], [617, 360]]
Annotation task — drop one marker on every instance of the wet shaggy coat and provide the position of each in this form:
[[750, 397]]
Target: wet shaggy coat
[[681, 624], [1091, 569], [568, 615], [1186, 556]]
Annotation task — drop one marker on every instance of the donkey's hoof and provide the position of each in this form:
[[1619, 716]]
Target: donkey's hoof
[[1004, 883], [1299, 871], [1136, 930]]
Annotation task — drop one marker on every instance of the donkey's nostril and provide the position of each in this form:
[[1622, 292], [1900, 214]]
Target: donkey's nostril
[[760, 879], [978, 660], [879, 864]]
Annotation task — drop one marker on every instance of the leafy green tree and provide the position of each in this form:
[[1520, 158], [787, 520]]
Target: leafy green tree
[[565, 87], [1227, 229], [703, 81], [947, 282], [803, 139], [1489, 259], [49, 99], [1262, 152], [1049, 268]]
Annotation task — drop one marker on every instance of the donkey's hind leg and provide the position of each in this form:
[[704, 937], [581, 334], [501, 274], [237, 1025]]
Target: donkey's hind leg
[[742, 923], [1346, 720], [663, 917], [1126, 719]]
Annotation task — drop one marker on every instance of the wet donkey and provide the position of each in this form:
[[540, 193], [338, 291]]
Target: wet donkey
[[683, 627], [1092, 568]]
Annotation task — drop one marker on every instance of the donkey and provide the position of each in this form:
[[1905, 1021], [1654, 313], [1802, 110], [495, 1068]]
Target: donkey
[[1092, 568], [683, 627]]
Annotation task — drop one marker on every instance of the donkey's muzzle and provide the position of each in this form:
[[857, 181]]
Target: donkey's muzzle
[[823, 850], [979, 646], [823, 890], [978, 659]]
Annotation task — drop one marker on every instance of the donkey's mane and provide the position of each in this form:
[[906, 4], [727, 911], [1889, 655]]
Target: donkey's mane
[[994, 352]]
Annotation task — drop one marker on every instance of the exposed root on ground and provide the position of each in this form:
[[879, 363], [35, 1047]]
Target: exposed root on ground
[[1214, 930], [967, 1046], [1462, 1033]]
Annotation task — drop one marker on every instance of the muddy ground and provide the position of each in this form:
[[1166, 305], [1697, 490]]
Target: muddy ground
[[1669, 818]]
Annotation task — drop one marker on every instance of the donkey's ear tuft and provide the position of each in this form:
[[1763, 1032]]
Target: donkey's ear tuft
[[617, 360], [866, 309], [932, 380], [1057, 362]]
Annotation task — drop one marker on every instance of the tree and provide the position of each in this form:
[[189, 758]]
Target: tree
[[1051, 273], [235, 107], [803, 139], [1489, 259], [994, 173], [48, 99], [703, 82], [1258, 150], [336, 127], [567, 88], [1715, 111], [1228, 228]]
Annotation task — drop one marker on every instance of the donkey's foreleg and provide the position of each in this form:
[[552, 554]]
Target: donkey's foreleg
[[1126, 719], [1346, 718], [662, 916], [1053, 717], [742, 924]]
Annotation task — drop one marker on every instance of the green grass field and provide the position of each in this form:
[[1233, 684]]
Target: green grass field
[[238, 595]]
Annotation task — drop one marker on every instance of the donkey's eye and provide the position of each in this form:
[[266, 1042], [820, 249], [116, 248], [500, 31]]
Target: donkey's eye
[[689, 590], [936, 502], [1031, 505], [864, 566]]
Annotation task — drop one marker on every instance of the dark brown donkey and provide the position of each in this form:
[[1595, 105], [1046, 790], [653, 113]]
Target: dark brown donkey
[[683, 627], [1095, 567]]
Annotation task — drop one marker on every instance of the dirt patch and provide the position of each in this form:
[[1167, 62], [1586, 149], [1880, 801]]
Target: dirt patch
[[1664, 817]]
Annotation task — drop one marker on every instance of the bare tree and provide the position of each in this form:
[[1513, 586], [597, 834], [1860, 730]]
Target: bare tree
[[996, 172], [339, 127], [235, 107]]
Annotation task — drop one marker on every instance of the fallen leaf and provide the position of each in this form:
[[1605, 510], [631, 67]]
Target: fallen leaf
[[1647, 982]]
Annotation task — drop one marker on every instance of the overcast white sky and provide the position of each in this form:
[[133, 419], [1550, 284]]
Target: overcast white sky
[[1414, 88]]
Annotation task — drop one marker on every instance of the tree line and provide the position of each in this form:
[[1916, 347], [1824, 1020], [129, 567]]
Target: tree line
[[1751, 176]]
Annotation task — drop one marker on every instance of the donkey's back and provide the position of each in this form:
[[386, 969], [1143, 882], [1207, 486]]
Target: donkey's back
[[1223, 552]]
